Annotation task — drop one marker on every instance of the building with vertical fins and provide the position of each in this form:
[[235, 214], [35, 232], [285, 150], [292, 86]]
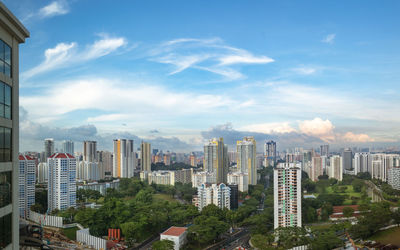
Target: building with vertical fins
[[269, 153], [90, 151], [216, 159], [287, 195], [48, 148], [12, 33], [68, 147], [145, 156], [62, 181], [27, 179], [124, 158], [246, 158], [336, 168]]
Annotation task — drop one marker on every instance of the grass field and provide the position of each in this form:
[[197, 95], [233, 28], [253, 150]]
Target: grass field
[[70, 232], [389, 236], [349, 191], [165, 197]]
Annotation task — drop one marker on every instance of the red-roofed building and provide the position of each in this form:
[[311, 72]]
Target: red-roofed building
[[338, 212], [176, 235]]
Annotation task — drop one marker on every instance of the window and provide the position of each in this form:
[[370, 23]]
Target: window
[[5, 237], [5, 188], [5, 58], [5, 100], [5, 144]]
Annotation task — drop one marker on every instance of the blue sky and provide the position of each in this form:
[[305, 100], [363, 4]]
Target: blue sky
[[177, 69]]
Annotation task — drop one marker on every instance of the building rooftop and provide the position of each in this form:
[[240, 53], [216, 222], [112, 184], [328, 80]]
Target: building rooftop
[[25, 157], [175, 231], [61, 155]]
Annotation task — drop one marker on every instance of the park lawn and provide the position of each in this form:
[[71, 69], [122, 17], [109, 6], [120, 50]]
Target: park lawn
[[164, 197], [349, 191], [70, 232], [389, 236]]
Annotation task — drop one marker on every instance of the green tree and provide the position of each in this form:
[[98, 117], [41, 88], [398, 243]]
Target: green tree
[[357, 185], [207, 229], [348, 212], [396, 216], [38, 208], [262, 241], [326, 239], [163, 245]]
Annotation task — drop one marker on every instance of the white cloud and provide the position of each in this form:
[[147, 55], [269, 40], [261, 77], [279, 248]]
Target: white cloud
[[269, 128], [211, 55], [108, 118], [319, 128], [351, 137], [55, 8], [305, 70], [330, 39], [67, 54]]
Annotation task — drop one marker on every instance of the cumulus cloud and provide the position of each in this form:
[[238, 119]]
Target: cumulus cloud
[[351, 137], [319, 128], [54, 8], [267, 128], [67, 54], [330, 39], [211, 55]]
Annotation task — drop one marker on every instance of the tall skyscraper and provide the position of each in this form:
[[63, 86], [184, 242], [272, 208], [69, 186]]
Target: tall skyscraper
[[124, 158], [216, 159], [361, 162], [246, 158], [316, 168], [347, 159], [62, 183], [12, 34], [287, 195], [48, 147], [68, 147], [90, 151], [145, 156], [106, 160], [336, 168], [27, 179], [270, 153], [324, 150]]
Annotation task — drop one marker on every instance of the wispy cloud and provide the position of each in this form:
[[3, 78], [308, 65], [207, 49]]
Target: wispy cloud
[[55, 8], [305, 70], [67, 54], [211, 55], [330, 39]]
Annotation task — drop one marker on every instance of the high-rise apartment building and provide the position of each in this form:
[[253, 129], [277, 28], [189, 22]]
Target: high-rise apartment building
[[316, 168], [192, 159], [167, 159], [246, 158], [27, 179], [287, 195], [62, 183], [106, 160], [219, 195], [68, 147], [324, 150], [240, 179], [90, 151], [199, 178], [43, 172], [347, 159], [336, 167], [216, 159], [234, 196], [145, 156], [394, 177], [12, 33], [361, 163], [124, 158], [269, 153], [48, 147]]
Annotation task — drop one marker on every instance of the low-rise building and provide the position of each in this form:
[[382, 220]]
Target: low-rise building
[[176, 235], [184, 176], [219, 195], [240, 179], [101, 187], [203, 177]]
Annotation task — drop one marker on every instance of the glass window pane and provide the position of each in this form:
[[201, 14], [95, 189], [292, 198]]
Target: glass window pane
[[7, 112], [5, 189], [7, 95], [2, 85], [1, 66], [5, 223], [1, 144], [7, 144], [7, 54], [7, 70], [1, 50], [2, 113]]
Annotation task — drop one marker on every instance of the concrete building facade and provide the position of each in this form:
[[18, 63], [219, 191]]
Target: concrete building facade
[[27, 180], [246, 158]]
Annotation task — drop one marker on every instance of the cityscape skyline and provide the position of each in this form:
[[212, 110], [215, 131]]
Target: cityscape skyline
[[289, 78]]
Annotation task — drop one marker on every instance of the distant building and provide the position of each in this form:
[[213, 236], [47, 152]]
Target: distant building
[[68, 147], [61, 184], [199, 178], [167, 159], [159, 177], [218, 195], [184, 176], [123, 158], [106, 160], [27, 179], [240, 179], [216, 159], [89, 171], [234, 196], [287, 195], [336, 168], [145, 156], [394, 177], [101, 187], [361, 163], [316, 168], [175, 234], [246, 158], [90, 151], [48, 148], [43, 172], [347, 159], [324, 149], [270, 153], [193, 161]]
